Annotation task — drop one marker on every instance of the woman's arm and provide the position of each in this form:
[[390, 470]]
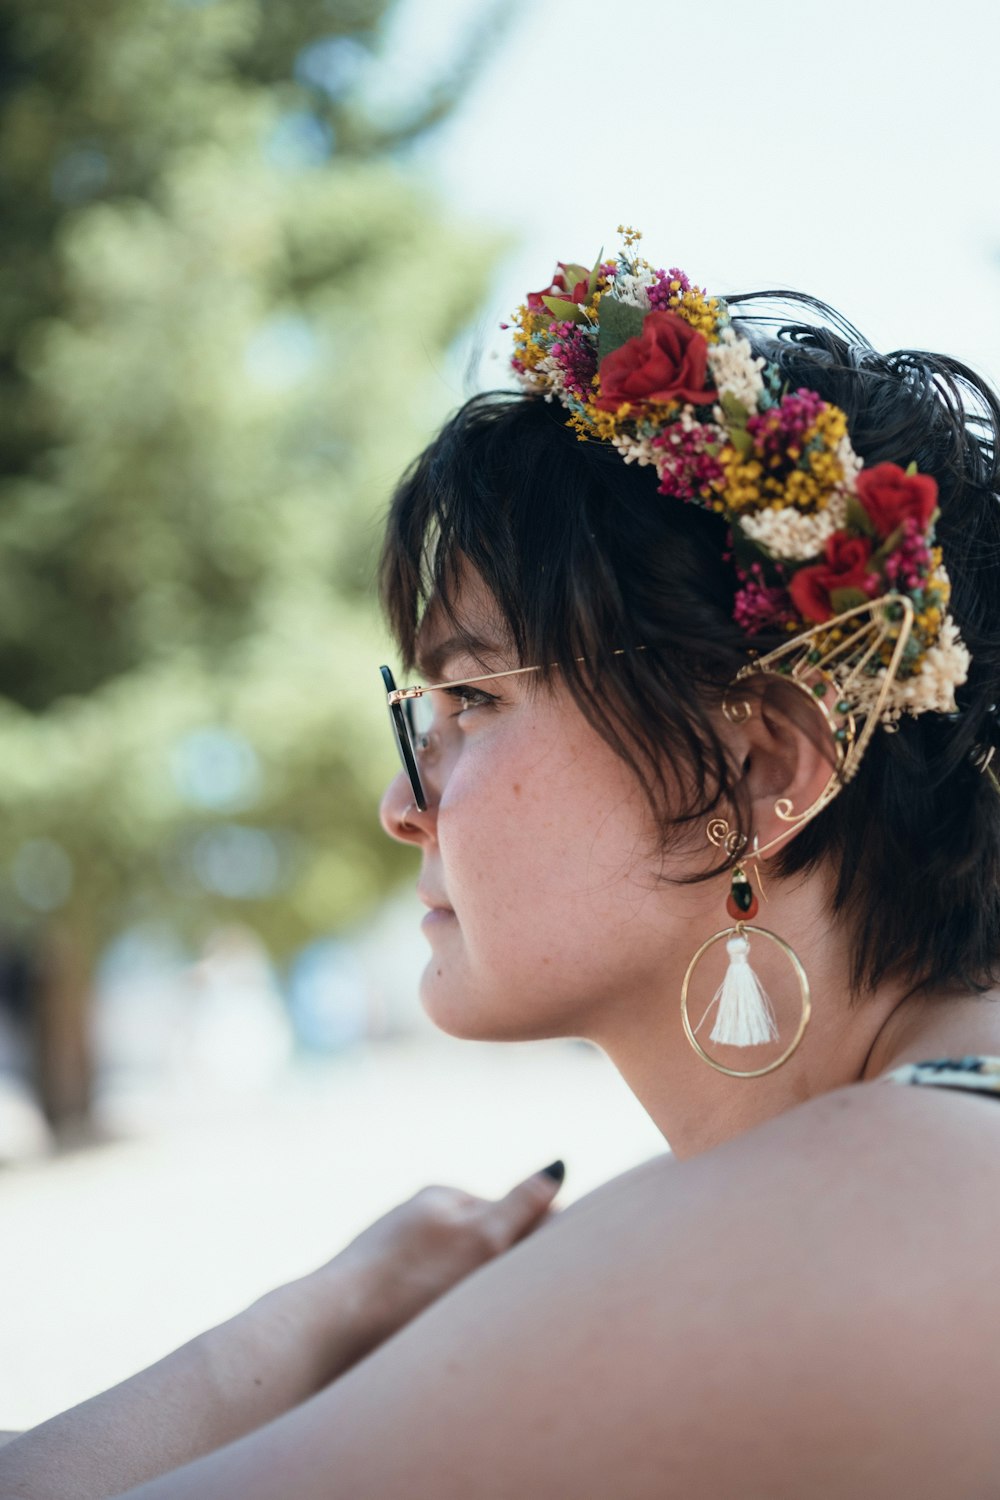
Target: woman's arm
[[807, 1310], [221, 1385], [283, 1350]]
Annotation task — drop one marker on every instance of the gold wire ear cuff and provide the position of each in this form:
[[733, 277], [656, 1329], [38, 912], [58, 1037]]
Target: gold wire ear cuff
[[842, 671]]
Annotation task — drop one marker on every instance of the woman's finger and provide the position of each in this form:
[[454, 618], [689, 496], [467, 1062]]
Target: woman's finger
[[517, 1212]]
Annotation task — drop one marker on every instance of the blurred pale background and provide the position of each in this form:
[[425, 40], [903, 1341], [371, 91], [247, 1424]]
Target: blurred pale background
[[253, 255]]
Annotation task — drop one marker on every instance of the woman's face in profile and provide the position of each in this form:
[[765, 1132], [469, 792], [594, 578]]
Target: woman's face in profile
[[538, 840]]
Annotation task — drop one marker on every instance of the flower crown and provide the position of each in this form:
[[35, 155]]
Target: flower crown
[[840, 557]]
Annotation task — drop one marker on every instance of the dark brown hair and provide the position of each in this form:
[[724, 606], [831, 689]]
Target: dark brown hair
[[583, 557]]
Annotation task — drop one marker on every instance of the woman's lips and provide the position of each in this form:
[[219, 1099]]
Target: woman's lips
[[438, 914]]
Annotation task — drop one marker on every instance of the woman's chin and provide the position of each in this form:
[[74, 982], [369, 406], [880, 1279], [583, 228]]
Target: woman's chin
[[453, 1007], [460, 1007]]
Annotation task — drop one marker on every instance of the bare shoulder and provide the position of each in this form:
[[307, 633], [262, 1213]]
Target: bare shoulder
[[811, 1309]]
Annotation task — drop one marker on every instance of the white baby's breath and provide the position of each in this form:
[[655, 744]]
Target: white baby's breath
[[632, 289], [944, 668], [735, 370], [548, 376], [849, 462], [634, 450], [792, 535]]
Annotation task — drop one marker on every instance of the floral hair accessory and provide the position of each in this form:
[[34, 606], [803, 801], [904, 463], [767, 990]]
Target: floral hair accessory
[[840, 557]]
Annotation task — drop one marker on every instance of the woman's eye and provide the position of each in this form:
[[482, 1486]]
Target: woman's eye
[[432, 711], [468, 697]]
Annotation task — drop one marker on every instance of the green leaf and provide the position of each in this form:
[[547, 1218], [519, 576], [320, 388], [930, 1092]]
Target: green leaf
[[620, 321], [842, 599], [889, 546], [595, 273], [564, 310], [911, 468], [747, 552], [742, 442], [858, 518], [572, 274], [734, 409]]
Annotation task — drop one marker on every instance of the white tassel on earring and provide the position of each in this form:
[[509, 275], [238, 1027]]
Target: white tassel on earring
[[745, 1017]]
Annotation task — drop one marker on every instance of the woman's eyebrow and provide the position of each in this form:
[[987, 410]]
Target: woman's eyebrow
[[432, 662]]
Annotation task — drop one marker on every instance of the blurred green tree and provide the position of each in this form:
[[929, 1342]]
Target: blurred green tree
[[222, 297]]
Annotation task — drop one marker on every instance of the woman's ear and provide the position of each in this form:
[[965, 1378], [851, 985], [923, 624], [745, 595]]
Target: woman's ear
[[789, 756]]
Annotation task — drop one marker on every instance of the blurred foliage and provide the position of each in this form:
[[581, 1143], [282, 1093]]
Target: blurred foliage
[[222, 297]]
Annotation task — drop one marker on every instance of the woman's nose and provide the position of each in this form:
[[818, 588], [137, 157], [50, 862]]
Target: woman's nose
[[400, 816]]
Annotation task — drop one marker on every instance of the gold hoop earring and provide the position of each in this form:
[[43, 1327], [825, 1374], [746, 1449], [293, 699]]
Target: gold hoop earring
[[744, 1017]]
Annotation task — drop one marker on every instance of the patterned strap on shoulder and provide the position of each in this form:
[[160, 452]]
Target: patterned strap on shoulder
[[981, 1074]]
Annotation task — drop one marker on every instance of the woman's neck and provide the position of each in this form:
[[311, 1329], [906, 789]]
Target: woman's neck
[[946, 1022], [696, 1107]]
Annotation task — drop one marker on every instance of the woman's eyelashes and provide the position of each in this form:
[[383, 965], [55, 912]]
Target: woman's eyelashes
[[466, 698], [445, 712]]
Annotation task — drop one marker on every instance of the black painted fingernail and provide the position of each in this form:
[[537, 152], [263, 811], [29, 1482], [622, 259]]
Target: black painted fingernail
[[556, 1170]]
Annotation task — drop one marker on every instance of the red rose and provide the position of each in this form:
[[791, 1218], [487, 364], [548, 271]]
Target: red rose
[[846, 567], [577, 293], [666, 362], [890, 496]]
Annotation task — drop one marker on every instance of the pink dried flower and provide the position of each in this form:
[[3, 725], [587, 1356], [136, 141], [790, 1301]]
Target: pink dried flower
[[909, 564], [686, 467], [575, 355], [786, 424], [661, 292], [759, 606]]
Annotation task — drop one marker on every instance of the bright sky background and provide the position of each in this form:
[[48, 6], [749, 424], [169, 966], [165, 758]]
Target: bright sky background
[[848, 150]]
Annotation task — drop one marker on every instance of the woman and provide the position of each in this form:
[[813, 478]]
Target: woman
[[704, 775]]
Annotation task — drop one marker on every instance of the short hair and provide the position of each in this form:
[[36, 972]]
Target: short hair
[[584, 557]]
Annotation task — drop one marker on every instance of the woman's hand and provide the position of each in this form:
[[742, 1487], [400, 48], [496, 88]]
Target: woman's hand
[[410, 1257], [278, 1352]]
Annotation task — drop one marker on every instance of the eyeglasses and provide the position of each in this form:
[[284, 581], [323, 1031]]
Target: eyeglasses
[[412, 728], [411, 713]]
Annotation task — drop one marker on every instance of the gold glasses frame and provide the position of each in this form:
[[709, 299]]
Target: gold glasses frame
[[398, 699], [834, 659]]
